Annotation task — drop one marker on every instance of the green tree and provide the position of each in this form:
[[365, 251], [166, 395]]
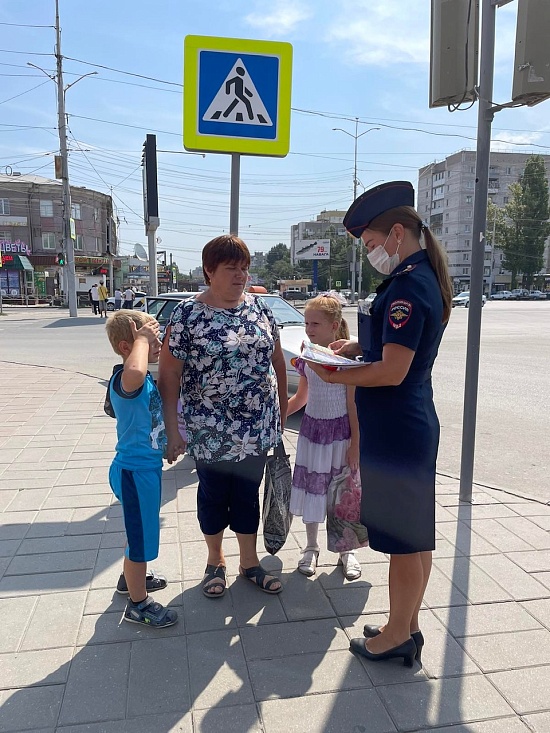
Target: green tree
[[522, 228]]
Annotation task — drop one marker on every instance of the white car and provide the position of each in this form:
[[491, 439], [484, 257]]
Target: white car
[[289, 320], [502, 295], [139, 302], [464, 299], [537, 295]]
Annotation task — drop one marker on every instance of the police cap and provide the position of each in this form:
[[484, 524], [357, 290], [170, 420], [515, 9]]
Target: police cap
[[376, 201]]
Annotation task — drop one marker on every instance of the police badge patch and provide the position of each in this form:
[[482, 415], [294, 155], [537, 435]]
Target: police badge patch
[[399, 313]]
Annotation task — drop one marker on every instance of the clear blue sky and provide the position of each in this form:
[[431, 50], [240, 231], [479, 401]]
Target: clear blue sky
[[352, 58]]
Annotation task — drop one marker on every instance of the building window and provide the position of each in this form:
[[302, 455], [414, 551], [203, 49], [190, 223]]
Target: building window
[[46, 209], [506, 199], [508, 171], [465, 270], [79, 242], [469, 199], [467, 228], [96, 214], [487, 271], [48, 240], [469, 214], [5, 236], [469, 184], [75, 211], [446, 230], [466, 256], [472, 169], [446, 217], [427, 194], [426, 208], [98, 244], [5, 207], [466, 242]]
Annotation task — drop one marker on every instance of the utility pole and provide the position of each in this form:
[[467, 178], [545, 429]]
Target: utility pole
[[68, 244], [356, 242]]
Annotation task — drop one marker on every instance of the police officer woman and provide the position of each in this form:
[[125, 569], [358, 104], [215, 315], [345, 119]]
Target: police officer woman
[[399, 429]]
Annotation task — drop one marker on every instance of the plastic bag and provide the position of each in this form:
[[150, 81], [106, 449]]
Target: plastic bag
[[344, 529], [276, 507]]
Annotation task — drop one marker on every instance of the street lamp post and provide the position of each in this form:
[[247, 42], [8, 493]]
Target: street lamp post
[[355, 182]]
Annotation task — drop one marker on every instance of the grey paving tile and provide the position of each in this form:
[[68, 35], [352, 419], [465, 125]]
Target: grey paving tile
[[107, 569], [6, 497], [25, 585], [251, 607], [106, 600], [52, 562], [540, 610], [50, 523], [461, 536], [168, 688], [442, 655], [75, 476], [169, 723], [441, 592], [8, 548], [206, 614], [542, 522], [529, 530], [15, 614], [71, 490], [298, 637], [40, 545], [242, 718], [527, 690], [359, 598], [499, 725], [30, 708], [481, 511], [345, 712], [495, 532], [87, 520], [536, 561], [219, 672], [443, 702], [531, 508], [373, 574], [489, 618], [55, 621], [539, 723], [476, 585], [15, 525], [516, 582], [76, 501], [97, 686], [543, 578], [24, 669], [302, 598], [305, 674], [495, 652]]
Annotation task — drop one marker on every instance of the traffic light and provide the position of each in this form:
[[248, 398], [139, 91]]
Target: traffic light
[[60, 258]]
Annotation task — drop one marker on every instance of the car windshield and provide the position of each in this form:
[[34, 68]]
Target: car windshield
[[284, 313]]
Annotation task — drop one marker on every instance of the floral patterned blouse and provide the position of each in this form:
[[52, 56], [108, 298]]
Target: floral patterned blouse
[[229, 388]]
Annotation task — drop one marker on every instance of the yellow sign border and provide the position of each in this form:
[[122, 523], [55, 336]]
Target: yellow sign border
[[195, 142]]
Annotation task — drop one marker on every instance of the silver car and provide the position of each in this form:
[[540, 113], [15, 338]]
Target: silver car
[[289, 320]]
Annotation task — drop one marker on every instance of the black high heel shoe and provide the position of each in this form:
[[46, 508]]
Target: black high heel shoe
[[371, 631], [407, 651]]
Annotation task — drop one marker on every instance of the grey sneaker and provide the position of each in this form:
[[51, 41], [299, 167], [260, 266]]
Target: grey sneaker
[[153, 582], [149, 613]]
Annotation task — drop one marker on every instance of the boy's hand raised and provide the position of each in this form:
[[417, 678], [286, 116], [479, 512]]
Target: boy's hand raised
[[149, 331]]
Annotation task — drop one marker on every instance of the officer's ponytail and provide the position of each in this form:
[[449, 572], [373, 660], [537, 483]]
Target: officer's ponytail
[[409, 219]]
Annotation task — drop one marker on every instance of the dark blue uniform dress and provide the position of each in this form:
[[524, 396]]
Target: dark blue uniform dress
[[399, 429]]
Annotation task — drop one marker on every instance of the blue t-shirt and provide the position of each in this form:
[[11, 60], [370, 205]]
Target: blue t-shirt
[[139, 424]]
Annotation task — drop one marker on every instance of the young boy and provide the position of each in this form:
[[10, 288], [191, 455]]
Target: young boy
[[136, 471]]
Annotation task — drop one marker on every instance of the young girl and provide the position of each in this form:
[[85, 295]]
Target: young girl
[[329, 435]]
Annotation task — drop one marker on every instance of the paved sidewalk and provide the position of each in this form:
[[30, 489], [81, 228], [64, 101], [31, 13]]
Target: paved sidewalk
[[247, 663]]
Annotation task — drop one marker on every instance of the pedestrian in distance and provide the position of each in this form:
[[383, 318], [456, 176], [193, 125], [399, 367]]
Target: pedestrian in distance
[[103, 295], [222, 351], [91, 300], [328, 440], [135, 475], [129, 296], [399, 431], [118, 299], [95, 299]]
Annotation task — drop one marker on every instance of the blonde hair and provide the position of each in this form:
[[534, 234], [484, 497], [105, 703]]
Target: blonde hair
[[409, 219], [332, 309], [118, 326]]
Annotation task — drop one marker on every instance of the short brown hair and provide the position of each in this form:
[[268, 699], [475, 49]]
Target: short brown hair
[[221, 250], [118, 326]]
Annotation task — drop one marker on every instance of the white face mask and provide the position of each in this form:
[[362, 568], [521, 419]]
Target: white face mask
[[381, 260]]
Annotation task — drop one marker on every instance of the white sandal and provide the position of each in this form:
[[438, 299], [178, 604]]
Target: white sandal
[[307, 565], [350, 566]]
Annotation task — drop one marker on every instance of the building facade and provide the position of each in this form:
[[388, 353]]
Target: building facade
[[31, 225], [446, 201]]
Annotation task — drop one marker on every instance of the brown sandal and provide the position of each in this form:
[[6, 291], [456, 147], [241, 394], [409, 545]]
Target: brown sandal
[[258, 576]]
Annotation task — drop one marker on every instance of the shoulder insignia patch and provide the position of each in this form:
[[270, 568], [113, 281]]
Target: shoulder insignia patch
[[399, 313]]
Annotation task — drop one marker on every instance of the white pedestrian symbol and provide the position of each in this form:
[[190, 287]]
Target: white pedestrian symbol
[[238, 100]]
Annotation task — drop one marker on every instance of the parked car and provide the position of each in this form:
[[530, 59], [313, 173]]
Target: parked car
[[537, 295], [139, 302], [464, 299], [520, 294], [501, 295], [289, 320], [295, 295]]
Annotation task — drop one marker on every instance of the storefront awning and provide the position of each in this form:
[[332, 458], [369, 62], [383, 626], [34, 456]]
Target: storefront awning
[[16, 262]]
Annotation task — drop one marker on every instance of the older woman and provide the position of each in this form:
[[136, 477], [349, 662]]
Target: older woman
[[222, 348]]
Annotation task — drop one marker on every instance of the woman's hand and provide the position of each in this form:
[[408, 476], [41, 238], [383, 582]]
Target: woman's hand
[[176, 447], [352, 458], [349, 349]]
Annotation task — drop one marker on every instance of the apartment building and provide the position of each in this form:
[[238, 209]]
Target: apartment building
[[446, 201], [31, 210], [326, 223]]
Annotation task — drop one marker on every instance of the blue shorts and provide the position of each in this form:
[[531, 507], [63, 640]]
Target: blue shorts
[[228, 495], [139, 493]]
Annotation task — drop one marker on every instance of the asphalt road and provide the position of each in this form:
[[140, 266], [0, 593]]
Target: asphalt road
[[513, 420]]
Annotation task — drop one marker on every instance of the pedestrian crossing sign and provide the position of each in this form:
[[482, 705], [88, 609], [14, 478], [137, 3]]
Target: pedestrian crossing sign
[[237, 96]]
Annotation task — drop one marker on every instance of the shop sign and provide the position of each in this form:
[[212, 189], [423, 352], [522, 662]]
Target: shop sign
[[17, 247], [13, 221]]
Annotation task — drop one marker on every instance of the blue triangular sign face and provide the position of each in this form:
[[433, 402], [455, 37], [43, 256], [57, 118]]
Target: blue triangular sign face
[[237, 100]]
